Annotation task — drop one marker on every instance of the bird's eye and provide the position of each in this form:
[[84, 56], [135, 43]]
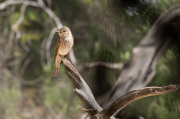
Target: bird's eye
[[64, 31]]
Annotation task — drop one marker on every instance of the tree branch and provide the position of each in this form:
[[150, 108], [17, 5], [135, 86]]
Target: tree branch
[[92, 107], [48, 44], [114, 66], [39, 4], [82, 90], [140, 69], [135, 95]]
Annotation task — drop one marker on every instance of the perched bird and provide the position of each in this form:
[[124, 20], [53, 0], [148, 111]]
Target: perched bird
[[63, 46]]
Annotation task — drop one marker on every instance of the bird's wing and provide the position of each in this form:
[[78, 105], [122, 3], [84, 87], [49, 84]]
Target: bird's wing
[[56, 49]]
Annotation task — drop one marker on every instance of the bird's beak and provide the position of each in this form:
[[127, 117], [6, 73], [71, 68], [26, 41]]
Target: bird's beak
[[58, 31]]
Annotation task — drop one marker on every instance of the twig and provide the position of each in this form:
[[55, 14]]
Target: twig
[[25, 64], [32, 82], [42, 52], [114, 66]]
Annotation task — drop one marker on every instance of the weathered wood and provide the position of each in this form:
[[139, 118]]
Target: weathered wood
[[140, 69], [135, 95], [92, 107], [82, 90], [137, 72]]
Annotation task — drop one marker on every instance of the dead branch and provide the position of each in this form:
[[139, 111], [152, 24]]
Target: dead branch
[[135, 95], [82, 90], [114, 66], [92, 107], [140, 69]]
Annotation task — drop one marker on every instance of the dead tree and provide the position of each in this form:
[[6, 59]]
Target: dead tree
[[93, 108], [137, 72], [141, 67]]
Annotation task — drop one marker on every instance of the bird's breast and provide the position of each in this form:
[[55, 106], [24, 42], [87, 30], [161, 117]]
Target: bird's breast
[[65, 45]]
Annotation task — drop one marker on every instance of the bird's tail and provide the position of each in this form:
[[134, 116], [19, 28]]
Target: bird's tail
[[56, 66], [55, 72]]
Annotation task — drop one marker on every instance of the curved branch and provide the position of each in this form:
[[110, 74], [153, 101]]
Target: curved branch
[[48, 44], [42, 52], [140, 69], [50, 13], [3, 5], [32, 82], [25, 64], [135, 95], [17, 23], [39, 4]]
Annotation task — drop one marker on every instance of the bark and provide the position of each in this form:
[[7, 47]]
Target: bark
[[140, 69], [92, 107]]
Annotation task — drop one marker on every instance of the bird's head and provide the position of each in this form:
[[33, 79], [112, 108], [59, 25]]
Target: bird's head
[[64, 31]]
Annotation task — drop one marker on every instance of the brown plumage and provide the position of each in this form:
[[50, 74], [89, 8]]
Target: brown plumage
[[63, 46]]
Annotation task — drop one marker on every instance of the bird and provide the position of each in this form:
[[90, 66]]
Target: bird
[[63, 46]]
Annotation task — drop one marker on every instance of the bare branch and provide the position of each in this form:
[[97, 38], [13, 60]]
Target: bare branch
[[50, 13], [42, 52], [140, 69], [21, 18], [32, 82], [25, 64], [135, 95], [48, 44], [82, 90], [16, 25], [114, 66], [39, 4], [3, 5]]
